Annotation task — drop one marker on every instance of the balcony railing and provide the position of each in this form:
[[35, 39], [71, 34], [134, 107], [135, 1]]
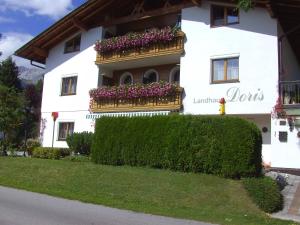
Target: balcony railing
[[290, 92], [167, 103], [173, 47]]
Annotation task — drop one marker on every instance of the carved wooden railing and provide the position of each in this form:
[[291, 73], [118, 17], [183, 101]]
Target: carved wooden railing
[[158, 49], [170, 103]]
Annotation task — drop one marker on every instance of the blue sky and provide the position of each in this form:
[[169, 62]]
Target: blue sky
[[21, 20]]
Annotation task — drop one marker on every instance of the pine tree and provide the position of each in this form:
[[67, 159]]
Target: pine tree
[[0, 39], [9, 74], [11, 114]]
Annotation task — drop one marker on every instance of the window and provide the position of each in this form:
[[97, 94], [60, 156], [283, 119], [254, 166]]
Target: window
[[69, 85], [150, 76], [65, 129], [73, 45], [126, 79], [223, 15], [225, 70], [175, 75], [283, 136]]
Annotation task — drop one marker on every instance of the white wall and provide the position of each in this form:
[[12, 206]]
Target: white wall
[[285, 155], [291, 67], [71, 108], [254, 40]]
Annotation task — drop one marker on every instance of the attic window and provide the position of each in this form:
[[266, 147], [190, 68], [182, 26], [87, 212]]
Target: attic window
[[73, 45], [224, 15]]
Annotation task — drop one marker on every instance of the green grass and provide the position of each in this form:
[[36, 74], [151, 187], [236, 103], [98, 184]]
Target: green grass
[[182, 195]]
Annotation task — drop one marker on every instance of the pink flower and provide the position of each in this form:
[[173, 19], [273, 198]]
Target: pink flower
[[136, 40]]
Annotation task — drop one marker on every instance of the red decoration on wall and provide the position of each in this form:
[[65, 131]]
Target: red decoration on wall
[[54, 115]]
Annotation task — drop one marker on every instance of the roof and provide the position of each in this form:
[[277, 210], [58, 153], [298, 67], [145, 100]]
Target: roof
[[95, 13]]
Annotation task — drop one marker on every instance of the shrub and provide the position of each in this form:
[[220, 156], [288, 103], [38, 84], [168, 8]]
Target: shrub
[[80, 142], [225, 146], [32, 144], [78, 158], [49, 153], [265, 193]]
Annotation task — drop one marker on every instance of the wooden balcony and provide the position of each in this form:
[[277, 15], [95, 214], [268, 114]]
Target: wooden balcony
[[168, 103], [290, 97], [175, 47]]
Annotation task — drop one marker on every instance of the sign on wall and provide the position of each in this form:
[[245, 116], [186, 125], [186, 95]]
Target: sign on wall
[[234, 94]]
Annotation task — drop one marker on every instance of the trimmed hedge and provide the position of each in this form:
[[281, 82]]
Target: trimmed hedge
[[50, 153], [80, 142], [221, 145], [265, 193]]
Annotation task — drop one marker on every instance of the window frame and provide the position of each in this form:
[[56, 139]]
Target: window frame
[[59, 138], [73, 40], [225, 80], [123, 77], [69, 85], [147, 73], [172, 75], [225, 8]]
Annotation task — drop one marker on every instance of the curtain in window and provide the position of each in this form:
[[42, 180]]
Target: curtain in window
[[233, 69], [65, 129], [73, 84], [65, 86], [218, 70]]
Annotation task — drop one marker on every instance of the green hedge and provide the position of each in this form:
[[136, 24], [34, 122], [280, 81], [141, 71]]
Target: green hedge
[[226, 146], [50, 153], [265, 193], [80, 142]]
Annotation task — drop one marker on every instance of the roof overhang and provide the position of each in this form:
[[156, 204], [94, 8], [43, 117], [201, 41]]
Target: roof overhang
[[95, 13]]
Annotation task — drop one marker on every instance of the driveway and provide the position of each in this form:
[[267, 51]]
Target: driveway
[[25, 208]]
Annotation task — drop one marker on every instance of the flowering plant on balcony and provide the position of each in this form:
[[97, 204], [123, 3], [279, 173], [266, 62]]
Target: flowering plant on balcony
[[278, 111], [134, 91], [136, 40]]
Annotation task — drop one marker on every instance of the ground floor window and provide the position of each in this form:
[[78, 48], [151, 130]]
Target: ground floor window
[[65, 129]]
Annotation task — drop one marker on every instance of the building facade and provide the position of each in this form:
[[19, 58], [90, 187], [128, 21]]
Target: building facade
[[216, 52]]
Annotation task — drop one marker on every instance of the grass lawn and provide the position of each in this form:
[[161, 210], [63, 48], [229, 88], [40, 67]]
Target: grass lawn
[[183, 195]]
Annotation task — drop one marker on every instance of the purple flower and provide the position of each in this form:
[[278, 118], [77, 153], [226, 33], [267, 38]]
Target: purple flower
[[134, 91], [136, 40]]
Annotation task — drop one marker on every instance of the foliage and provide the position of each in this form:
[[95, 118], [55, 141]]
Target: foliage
[[278, 110], [265, 193], [49, 153], [80, 142], [226, 146], [245, 4], [9, 74], [11, 114], [0, 39], [198, 197], [136, 40], [33, 97], [78, 158], [32, 144], [156, 89]]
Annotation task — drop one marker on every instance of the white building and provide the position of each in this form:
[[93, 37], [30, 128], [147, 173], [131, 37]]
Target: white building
[[249, 58]]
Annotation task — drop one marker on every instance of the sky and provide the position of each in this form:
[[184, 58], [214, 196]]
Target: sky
[[22, 20]]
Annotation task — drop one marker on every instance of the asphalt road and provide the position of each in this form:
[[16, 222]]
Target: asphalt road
[[25, 208]]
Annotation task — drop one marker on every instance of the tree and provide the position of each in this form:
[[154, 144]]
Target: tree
[[9, 74], [0, 39], [33, 99], [11, 114], [11, 103]]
